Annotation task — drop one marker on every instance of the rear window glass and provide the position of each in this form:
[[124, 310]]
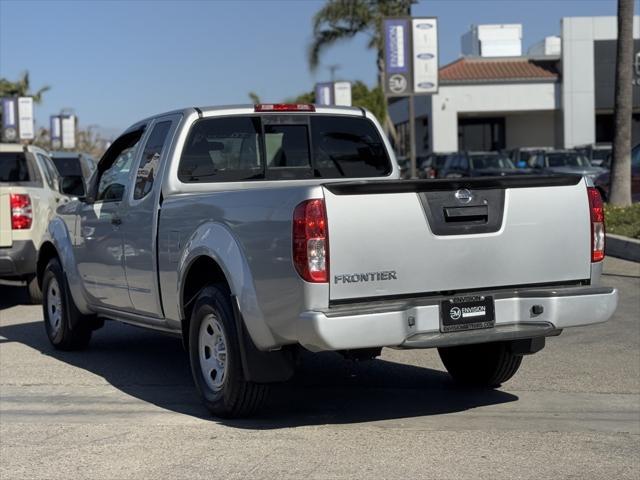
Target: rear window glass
[[567, 160], [287, 146], [488, 162], [222, 149], [68, 166], [348, 147], [13, 167], [439, 161], [242, 148]]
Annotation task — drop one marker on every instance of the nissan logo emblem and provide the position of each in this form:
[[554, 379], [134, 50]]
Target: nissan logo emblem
[[464, 195]]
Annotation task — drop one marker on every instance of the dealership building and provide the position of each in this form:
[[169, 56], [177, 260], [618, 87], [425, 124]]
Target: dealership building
[[560, 94]]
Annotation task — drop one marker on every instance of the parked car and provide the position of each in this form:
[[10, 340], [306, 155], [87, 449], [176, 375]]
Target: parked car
[[598, 155], [30, 191], [478, 164], [520, 156], [431, 165], [564, 161], [74, 166], [404, 164], [262, 230], [603, 180]]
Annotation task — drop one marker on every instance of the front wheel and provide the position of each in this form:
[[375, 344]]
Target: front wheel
[[214, 354], [66, 327], [482, 365]]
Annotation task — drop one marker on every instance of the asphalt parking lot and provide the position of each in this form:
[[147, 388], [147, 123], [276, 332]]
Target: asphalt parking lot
[[126, 408]]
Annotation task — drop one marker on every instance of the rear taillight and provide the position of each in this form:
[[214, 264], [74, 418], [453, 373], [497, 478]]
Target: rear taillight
[[21, 211], [311, 241], [596, 209]]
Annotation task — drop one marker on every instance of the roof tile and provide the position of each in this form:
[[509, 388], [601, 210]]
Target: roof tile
[[484, 69]]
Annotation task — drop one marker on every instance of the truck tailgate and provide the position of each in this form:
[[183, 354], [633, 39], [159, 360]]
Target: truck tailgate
[[402, 238], [5, 220]]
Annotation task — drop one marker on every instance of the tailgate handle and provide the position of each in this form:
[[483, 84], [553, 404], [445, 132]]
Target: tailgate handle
[[466, 214]]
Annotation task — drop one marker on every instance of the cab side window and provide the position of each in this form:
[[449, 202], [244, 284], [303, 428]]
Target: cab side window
[[50, 173], [150, 161], [115, 166]]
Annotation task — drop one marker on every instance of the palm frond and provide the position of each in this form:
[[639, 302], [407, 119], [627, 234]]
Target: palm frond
[[324, 39]]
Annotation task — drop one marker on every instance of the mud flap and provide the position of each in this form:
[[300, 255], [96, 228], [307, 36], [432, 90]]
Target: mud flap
[[259, 366]]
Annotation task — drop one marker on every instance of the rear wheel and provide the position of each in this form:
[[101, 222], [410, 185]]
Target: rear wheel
[[214, 352], [66, 327], [35, 294], [484, 364]]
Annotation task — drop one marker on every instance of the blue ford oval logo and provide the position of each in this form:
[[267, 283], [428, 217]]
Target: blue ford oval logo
[[425, 56], [424, 26]]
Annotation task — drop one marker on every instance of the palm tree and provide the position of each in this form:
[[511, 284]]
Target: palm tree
[[621, 165], [344, 19], [21, 88], [255, 98]]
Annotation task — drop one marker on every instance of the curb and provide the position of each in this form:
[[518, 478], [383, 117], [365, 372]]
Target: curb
[[622, 247]]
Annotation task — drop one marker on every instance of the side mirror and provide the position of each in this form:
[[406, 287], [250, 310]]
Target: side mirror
[[73, 185]]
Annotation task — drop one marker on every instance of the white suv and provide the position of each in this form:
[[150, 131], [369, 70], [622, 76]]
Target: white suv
[[30, 191]]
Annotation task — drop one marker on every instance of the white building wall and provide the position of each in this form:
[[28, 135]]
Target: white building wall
[[494, 99], [578, 87], [548, 46]]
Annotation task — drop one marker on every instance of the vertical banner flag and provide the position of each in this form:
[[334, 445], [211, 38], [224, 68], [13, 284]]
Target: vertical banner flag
[[397, 56], [333, 93], [9, 120], [68, 128], [425, 55], [25, 118], [56, 132], [324, 93], [342, 93]]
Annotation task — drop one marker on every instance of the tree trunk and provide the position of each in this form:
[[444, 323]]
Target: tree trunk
[[620, 189]]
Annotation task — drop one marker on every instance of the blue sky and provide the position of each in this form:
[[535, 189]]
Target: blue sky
[[115, 62]]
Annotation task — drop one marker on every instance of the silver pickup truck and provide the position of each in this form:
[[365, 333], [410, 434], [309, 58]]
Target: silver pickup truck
[[252, 232]]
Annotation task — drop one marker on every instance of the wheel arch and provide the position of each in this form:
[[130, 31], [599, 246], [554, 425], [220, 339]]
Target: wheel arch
[[201, 271], [45, 254], [57, 244], [213, 254]]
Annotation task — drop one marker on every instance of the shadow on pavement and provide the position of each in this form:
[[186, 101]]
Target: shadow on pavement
[[12, 294], [326, 390]]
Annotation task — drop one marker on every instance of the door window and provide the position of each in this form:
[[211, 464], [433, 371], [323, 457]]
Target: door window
[[150, 161], [50, 174]]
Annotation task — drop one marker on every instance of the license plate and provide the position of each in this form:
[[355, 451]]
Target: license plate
[[466, 313]]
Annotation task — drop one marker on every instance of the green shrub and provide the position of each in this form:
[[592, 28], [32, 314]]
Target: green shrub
[[623, 220]]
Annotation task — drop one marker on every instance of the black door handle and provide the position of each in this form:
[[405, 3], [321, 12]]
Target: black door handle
[[115, 220]]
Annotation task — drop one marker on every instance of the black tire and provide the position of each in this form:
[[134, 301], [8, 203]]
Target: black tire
[[482, 365], [235, 397], [35, 294], [58, 325]]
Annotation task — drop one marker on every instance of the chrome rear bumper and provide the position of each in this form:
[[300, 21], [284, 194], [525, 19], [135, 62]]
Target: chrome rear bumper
[[416, 323]]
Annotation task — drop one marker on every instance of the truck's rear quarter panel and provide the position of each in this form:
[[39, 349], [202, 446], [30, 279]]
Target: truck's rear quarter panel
[[259, 220]]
